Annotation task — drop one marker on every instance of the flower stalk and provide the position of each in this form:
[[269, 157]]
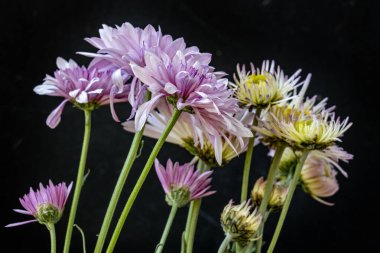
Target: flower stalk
[[248, 159], [288, 199], [141, 180], [168, 225], [118, 189], [53, 240], [79, 181], [192, 218], [223, 247], [268, 189]]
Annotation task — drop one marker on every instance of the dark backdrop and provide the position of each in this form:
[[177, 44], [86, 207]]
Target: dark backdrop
[[334, 40]]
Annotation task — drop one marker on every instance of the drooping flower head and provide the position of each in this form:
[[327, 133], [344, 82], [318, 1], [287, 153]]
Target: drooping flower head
[[318, 175], [277, 196], [86, 88], [119, 47], [240, 223], [186, 134], [182, 183], [318, 178], [46, 205], [302, 124], [260, 88]]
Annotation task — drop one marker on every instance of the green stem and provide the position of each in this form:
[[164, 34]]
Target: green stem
[[117, 190], [288, 199], [165, 234], [160, 142], [192, 218], [271, 178], [248, 160], [268, 188], [259, 243], [53, 240], [83, 237], [79, 181], [225, 244]]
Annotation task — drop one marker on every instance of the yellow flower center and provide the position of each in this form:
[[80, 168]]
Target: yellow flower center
[[255, 79]]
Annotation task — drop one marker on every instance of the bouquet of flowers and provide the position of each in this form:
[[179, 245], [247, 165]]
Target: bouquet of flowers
[[176, 96]]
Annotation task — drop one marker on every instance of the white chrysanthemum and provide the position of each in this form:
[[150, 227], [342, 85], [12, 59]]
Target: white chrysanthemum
[[259, 88], [302, 124], [190, 137]]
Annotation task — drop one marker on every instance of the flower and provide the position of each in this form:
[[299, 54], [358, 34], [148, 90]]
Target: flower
[[240, 223], [126, 44], [318, 175], [318, 178], [187, 135], [182, 183], [190, 85], [277, 196], [302, 124], [46, 204], [260, 88], [86, 88]]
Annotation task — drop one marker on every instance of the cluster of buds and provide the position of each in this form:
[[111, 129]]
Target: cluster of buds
[[240, 223]]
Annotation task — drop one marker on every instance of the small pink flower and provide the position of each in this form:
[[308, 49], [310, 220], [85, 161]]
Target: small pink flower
[[87, 88], [46, 204], [182, 183]]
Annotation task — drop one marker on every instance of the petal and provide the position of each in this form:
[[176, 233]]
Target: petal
[[118, 80], [55, 116], [19, 223], [144, 110]]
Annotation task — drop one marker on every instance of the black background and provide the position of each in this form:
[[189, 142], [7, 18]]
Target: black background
[[334, 40]]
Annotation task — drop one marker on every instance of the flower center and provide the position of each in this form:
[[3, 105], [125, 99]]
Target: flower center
[[256, 79]]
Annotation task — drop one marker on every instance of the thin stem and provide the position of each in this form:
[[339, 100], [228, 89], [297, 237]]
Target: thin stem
[[168, 225], [248, 159], [79, 181], [259, 243], [225, 244], [117, 190], [268, 188], [53, 240], [83, 237], [288, 199], [192, 218], [160, 142]]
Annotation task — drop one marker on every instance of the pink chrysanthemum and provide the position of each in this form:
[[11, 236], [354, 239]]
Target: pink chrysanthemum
[[120, 46], [182, 183], [192, 86], [46, 204], [86, 88]]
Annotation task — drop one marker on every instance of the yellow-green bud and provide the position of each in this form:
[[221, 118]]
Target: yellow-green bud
[[276, 198], [240, 223]]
